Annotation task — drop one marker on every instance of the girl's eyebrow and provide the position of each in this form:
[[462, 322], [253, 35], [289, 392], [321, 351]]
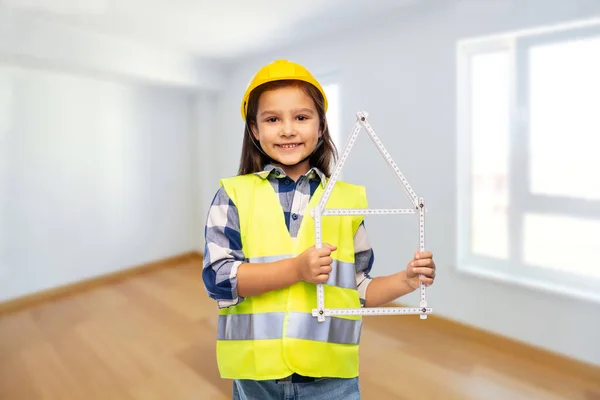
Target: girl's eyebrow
[[304, 110], [296, 111], [267, 112]]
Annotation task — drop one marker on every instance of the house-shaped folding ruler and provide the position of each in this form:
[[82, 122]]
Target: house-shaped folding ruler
[[320, 211]]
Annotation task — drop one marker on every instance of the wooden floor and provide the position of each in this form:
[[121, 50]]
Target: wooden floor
[[153, 337]]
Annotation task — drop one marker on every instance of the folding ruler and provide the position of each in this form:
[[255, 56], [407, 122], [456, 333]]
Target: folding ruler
[[320, 211]]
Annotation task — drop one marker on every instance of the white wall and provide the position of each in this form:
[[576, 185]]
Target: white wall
[[51, 45], [101, 152], [96, 175], [403, 72], [205, 137]]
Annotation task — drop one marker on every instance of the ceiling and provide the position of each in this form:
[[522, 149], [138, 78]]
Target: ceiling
[[209, 28]]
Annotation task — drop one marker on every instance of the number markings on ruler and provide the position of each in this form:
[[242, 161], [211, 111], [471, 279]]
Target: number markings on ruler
[[331, 312], [366, 211]]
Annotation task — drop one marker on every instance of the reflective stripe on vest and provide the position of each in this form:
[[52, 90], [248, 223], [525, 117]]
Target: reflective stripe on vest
[[343, 274], [299, 326]]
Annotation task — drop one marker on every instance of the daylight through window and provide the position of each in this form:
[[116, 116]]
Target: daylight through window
[[529, 137]]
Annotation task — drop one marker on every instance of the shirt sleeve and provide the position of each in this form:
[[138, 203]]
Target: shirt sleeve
[[222, 251], [363, 261]]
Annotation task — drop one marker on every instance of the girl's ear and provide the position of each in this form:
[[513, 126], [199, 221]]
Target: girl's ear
[[254, 131]]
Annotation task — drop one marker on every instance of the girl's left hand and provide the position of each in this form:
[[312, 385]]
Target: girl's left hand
[[421, 264]]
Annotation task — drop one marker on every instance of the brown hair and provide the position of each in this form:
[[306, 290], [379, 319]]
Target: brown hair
[[253, 160]]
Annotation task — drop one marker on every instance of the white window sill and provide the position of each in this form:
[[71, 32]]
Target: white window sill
[[587, 294]]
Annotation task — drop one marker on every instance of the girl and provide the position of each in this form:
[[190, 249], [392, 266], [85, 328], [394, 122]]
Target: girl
[[260, 262]]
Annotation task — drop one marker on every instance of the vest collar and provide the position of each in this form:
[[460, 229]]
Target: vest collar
[[276, 172]]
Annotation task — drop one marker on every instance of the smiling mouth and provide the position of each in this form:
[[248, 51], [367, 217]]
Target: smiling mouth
[[289, 146]]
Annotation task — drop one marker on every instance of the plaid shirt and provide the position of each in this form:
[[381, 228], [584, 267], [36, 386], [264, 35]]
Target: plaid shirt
[[223, 245]]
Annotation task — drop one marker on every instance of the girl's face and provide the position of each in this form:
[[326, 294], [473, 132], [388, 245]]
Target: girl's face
[[287, 127]]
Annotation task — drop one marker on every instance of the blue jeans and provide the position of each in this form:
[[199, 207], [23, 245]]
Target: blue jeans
[[321, 389]]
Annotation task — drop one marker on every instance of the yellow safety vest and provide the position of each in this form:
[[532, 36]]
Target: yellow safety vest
[[273, 335]]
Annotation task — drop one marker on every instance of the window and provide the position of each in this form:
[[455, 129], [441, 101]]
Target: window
[[334, 118], [332, 91], [529, 158]]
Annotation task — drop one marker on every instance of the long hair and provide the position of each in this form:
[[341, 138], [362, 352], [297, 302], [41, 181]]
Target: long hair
[[253, 160]]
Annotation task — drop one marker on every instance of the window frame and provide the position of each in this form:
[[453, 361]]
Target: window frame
[[332, 79], [513, 270]]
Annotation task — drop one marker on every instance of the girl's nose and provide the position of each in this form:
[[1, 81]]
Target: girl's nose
[[287, 128]]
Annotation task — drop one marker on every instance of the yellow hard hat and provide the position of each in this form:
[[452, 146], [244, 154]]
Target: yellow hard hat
[[276, 71]]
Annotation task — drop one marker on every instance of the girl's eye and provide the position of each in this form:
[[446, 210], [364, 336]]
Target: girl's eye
[[272, 119], [302, 118]]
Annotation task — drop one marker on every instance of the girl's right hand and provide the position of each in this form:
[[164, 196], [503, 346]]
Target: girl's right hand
[[314, 265]]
